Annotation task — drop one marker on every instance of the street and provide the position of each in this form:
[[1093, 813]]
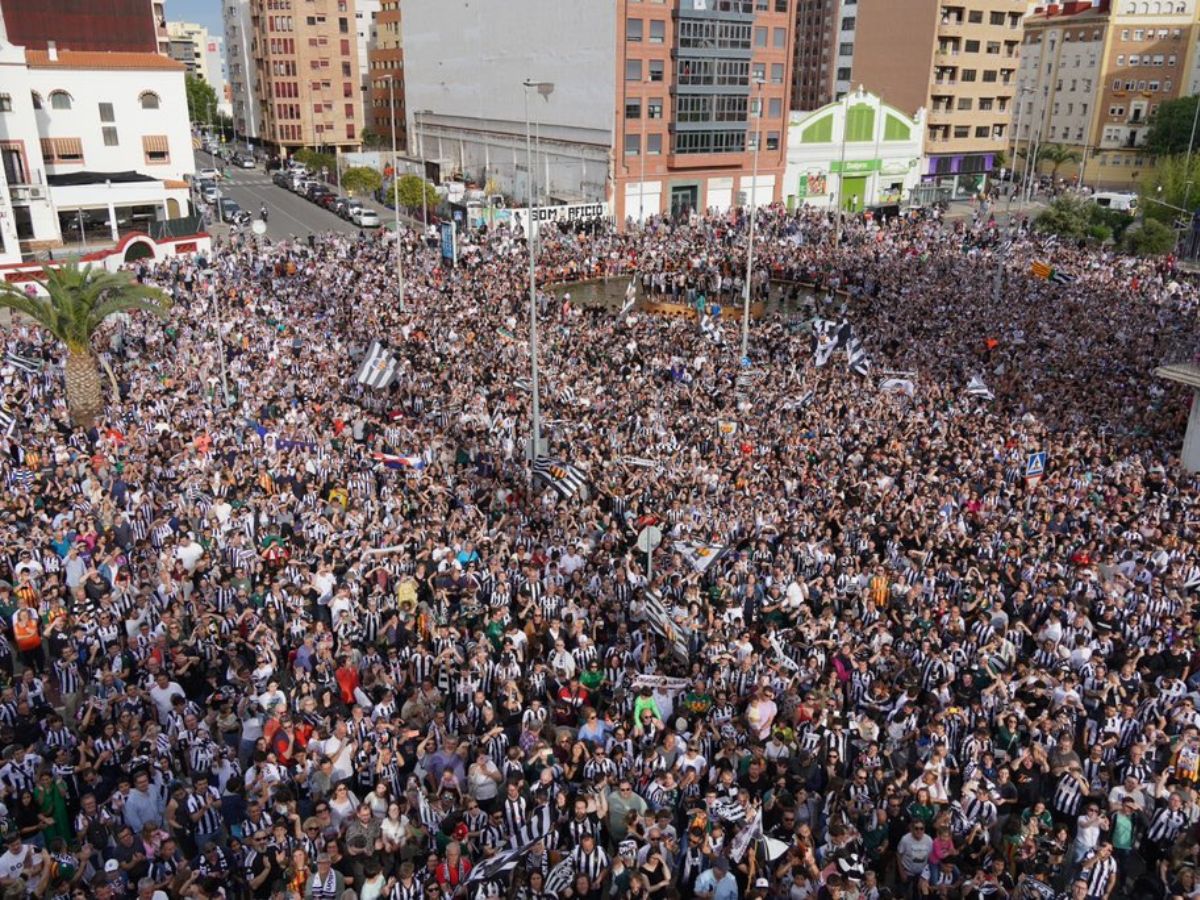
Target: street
[[288, 214]]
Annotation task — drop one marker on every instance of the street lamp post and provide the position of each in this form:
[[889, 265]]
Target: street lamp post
[[391, 79], [544, 88], [750, 246]]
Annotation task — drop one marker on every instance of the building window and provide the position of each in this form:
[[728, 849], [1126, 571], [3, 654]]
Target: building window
[[633, 70], [975, 17], [962, 131], [60, 100], [110, 136], [349, 131], [654, 108], [776, 73], [968, 75], [760, 36], [981, 131], [964, 103], [775, 107], [633, 144], [633, 30], [37, 100], [62, 150], [106, 113], [633, 109], [156, 149], [149, 100], [848, 23], [989, 75], [658, 31], [772, 140], [656, 70], [779, 37], [846, 48], [653, 144], [971, 46], [996, 18]]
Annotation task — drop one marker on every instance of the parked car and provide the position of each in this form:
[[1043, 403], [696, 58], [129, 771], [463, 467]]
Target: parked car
[[365, 218], [346, 207], [207, 174], [282, 179], [246, 162], [208, 191], [328, 200], [232, 213], [315, 190]]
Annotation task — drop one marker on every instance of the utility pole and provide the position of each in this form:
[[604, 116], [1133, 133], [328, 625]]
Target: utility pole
[[544, 88], [750, 245], [395, 192]]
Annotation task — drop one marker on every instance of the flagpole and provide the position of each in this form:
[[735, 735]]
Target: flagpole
[[750, 246], [544, 88]]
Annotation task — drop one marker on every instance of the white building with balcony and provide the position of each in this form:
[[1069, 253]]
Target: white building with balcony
[[94, 146]]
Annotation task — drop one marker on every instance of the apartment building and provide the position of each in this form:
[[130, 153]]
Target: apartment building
[[240, 69], [960, 64], [1094, 73], [306, 69], [385, 108], [697, 99], [127, 26], [813, 53]]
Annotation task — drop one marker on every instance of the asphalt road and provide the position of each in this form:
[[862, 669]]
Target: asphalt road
[[288, 214]]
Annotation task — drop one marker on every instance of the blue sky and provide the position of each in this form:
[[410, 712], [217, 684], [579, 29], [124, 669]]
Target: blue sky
[[206, 12]]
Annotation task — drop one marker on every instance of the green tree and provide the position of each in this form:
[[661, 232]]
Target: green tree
[[361, 180], [1150, 238], [413, 192], [201, 99], [316, 160], [77, 302], [1170, 128], [1172, 188], [1077, 219]]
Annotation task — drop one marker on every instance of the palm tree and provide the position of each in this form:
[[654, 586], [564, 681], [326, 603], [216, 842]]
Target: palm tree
[[76, 303], [1056, 155]]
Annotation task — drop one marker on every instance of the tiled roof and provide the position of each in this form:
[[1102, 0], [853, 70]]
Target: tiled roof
[[90, 59]]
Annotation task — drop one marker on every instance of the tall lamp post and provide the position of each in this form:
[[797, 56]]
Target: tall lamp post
[[545, 89], [391, 80], [753, 205]]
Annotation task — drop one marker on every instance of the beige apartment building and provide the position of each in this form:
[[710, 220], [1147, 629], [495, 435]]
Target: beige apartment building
[[959, 63], [1092, 76], [307, 76]]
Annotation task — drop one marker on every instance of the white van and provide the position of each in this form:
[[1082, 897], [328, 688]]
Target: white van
[[1122, 201]]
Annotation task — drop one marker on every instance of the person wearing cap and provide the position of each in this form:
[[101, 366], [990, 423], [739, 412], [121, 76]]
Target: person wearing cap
[[717, 883]]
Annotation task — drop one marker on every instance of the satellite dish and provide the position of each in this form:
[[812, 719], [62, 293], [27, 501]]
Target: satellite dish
[[258, 226]]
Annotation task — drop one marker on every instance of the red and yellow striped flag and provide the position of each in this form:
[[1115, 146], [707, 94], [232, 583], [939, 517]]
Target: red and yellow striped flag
[[1040, 270]]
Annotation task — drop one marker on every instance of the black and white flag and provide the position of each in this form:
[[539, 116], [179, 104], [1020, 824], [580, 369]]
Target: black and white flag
[[566, 395], [561, 877], [28, 364], [378, 369], [522, 384], [660, 620], [1062, 277], [563, 477], [897, 386], [857, 359], [976, 388], [8, 421]]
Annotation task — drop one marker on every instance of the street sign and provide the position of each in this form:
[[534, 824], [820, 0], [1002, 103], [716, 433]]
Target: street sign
[[649, 538], [1036, 466]]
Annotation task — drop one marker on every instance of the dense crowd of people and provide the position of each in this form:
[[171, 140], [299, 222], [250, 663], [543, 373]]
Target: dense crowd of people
[[273, 633]]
